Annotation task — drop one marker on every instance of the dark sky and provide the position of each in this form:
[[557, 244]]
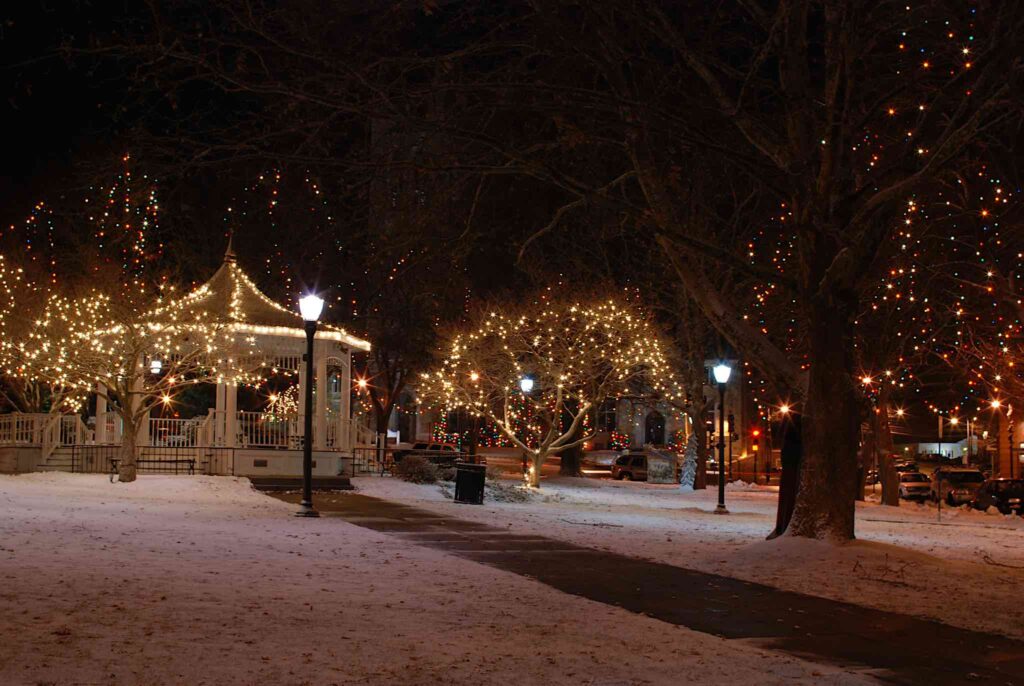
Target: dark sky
[[53, 114]]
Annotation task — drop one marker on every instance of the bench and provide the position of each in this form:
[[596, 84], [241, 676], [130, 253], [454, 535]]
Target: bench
[[188, 464]]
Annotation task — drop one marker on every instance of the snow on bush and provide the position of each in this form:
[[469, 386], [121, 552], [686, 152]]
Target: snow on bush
[[417, 470]]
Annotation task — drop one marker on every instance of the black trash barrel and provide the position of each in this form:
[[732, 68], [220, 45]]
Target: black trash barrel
[[469, 483]]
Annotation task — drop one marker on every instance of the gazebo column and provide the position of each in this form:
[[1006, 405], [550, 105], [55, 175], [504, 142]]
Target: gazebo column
[[320, 418], [300, 430], [100, 434], [218, 416], [346, 440], [230, 414]]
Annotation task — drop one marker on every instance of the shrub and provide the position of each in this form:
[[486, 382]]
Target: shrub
[[660, 472], [508, 492], [446, 473], [417, 470], [493, 473]]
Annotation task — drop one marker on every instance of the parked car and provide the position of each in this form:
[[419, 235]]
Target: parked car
[[955, 485], [434, 451], [871, 477], [632, 466], [915, 486], [905, 466], [1006, 495]]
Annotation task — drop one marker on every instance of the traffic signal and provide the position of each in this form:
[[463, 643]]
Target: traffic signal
[[756, 433]]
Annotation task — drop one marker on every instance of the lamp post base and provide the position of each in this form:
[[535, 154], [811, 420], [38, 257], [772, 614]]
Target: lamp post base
[[720, 509], [306, 510]]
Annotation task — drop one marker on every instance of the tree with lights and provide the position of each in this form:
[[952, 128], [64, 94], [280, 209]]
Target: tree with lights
[[23, 303], [552, 360], [134, 351]]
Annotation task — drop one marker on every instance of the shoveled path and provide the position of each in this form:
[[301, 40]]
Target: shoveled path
[[894, 648]]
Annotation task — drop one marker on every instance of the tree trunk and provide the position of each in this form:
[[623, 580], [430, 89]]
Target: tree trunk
[[700, 430], [533, 473], [381, 416], [825, 506], [865, 457], [883, 444], [789, 480], [127, 468]]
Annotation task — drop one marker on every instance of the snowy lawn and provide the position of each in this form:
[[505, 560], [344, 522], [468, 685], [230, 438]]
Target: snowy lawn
[[966, 571], [201, 580]]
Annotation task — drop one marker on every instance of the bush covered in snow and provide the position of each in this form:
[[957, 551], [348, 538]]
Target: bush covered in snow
[[660, 472], [504, 491], [417, 470]]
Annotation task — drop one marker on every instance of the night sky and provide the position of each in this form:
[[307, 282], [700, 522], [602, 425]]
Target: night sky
[[54, 113]]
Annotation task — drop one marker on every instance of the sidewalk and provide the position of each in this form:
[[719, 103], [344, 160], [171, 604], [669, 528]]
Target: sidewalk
[[897, 648]]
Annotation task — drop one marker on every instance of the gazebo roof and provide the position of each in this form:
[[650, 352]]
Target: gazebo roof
[[231, 296]]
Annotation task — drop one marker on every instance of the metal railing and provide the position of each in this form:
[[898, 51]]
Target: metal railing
[[373, 462], [100, 459]]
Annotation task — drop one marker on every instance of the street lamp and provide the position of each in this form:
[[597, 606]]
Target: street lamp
[[526, 384], [721, 372], [155, 366], [310, 306]]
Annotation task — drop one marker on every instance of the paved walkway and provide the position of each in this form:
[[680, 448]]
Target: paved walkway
[[895, 648]]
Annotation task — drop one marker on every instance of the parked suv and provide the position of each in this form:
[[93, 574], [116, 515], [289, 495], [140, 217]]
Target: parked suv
[[630, 467], [1006, 495], [955, 485], [914, 486]]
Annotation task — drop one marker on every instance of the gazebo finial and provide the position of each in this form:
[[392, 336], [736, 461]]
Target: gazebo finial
[[229, 253]]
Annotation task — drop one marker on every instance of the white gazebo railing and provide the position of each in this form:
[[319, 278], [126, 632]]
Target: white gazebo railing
[[251, 430], [177, 433], [68, 430], [260, 430], [22, 429], [46, 430]]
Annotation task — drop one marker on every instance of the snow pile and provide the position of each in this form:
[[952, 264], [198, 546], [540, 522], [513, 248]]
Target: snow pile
[[740, 485]]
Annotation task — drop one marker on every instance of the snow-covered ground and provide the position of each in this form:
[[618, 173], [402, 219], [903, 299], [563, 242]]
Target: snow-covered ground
[[967, 570], [201, 580]]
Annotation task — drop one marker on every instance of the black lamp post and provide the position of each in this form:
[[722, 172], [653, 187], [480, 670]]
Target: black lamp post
[[310, 306], [721, 372]]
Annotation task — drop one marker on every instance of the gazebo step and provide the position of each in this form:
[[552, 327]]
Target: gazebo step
[[294, 483]]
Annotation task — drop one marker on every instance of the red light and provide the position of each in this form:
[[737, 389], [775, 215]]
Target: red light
[[757, 432]]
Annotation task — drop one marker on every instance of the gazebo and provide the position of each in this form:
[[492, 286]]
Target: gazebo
[[262, 442]]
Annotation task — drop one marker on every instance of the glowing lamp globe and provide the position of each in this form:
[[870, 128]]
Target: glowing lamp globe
[[155, 366], [722, 373], [311, 306], [526, 384]]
